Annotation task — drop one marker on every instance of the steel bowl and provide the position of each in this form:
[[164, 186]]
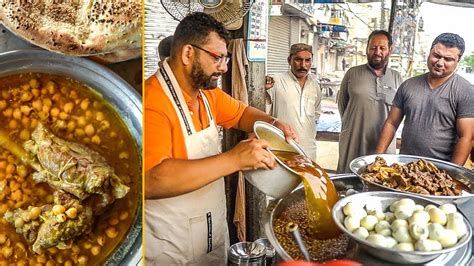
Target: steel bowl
[[464, 175], [386, 198], [122, 97], [280, 181]]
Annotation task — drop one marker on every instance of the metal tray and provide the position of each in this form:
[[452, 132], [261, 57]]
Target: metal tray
[[348, 184], [457, 172]]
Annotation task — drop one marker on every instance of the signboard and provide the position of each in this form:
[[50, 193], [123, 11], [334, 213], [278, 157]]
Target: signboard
[[257, 34]]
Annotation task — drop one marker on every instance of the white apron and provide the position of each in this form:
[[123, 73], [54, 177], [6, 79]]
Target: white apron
[[190, 229]]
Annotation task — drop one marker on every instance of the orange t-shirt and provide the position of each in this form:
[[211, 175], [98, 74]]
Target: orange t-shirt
[[163, 135]]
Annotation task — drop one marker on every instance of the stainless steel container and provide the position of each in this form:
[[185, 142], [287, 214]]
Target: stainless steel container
[[386, 198], [123, 98], [270, 258], [457, 172], [247, 253], [282, 180], [346, 185]]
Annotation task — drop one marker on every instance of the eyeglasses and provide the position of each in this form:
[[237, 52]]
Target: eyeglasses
[[218, 58]]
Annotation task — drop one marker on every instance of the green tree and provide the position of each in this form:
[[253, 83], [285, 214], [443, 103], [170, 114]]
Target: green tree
[[469, 60]]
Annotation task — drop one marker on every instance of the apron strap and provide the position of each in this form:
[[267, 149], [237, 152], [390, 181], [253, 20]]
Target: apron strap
[[208, 108], [176, 100]]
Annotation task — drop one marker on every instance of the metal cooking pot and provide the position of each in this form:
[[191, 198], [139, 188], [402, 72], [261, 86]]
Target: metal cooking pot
[[280, 181], [122, 97]]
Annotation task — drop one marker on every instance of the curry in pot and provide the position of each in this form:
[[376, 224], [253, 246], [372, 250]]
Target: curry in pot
[[56, 208]]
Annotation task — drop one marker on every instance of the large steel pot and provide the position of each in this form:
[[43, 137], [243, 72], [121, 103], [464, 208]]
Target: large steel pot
[[282, 180], [123, 98]]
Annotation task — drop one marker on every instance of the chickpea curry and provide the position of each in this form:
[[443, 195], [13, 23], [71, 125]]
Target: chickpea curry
[[69, 173]]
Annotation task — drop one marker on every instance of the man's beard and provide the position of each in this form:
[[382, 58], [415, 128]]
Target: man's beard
[[378, 65], [201, 80]]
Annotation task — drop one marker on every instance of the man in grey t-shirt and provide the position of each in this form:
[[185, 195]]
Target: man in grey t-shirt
[[438, 107]]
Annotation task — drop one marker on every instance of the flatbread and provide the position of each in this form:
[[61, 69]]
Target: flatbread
[[76, 27]]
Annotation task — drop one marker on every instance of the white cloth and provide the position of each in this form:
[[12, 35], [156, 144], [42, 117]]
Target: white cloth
[[299, 107], [189, 229]]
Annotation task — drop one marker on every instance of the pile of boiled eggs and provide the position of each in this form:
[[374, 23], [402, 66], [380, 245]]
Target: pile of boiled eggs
[[407, 226]]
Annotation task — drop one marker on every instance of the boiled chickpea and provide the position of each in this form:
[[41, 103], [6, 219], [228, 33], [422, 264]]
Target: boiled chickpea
[[113, 221], [73, 94], [123, 155], [53, 250], [3, 105], [68, 107], [7, 112], [35, 92], [41, 258], [123, 215], [51, 87], [101, 240], [71, 125], [46, 109], [25, 110], [82, 260], [17, 113], [13, 124], [3, 238], [26, 96], [68, 263], [16, 195], [99, 116], [75, 249], [47, 102], [24, 134], [35, 213], [42, 115], [95, 250], [7, 252], [34, 84], [58, 209], [87, 245], [59, 259], [79, 132], [111, 232], [56, 97], [50, 263], [71, 213], [38, 105], [55, 112], [5, 94], [34, 123], [89, 130], [63, 115], [85, 104], [10, 169], [81, 121], [89, 114], [25, 121], [96, 139]]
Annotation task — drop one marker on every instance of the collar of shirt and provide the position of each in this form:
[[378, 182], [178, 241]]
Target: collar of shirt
[[373, 70], [293, 77]]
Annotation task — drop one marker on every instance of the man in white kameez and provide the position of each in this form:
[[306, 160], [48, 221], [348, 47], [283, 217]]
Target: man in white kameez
[[295, 97]]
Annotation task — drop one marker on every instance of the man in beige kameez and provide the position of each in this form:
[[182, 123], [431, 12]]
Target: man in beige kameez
[[295, 97]]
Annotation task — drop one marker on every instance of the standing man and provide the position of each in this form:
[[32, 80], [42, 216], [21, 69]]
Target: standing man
[[365, 97], [438, 107], [164, 48], [185, 208], [295, 97]]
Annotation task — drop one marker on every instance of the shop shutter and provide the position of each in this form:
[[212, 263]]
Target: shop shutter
[[158, 25], [278, 44]]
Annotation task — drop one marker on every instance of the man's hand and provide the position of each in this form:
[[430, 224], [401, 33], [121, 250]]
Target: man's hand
[[289, 132], [252, 154], [269, 82]]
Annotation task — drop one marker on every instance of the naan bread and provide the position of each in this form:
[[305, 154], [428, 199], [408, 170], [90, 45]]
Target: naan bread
[[76, 27]]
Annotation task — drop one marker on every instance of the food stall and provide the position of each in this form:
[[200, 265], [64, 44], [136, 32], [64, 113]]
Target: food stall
[[358, 189]]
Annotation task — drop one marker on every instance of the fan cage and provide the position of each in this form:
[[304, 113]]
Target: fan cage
[[179, 9]]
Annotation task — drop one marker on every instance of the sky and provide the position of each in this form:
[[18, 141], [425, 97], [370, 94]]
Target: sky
[[444, 18]]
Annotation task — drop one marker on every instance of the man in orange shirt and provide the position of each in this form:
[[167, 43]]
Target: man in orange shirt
[[185, 209]]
